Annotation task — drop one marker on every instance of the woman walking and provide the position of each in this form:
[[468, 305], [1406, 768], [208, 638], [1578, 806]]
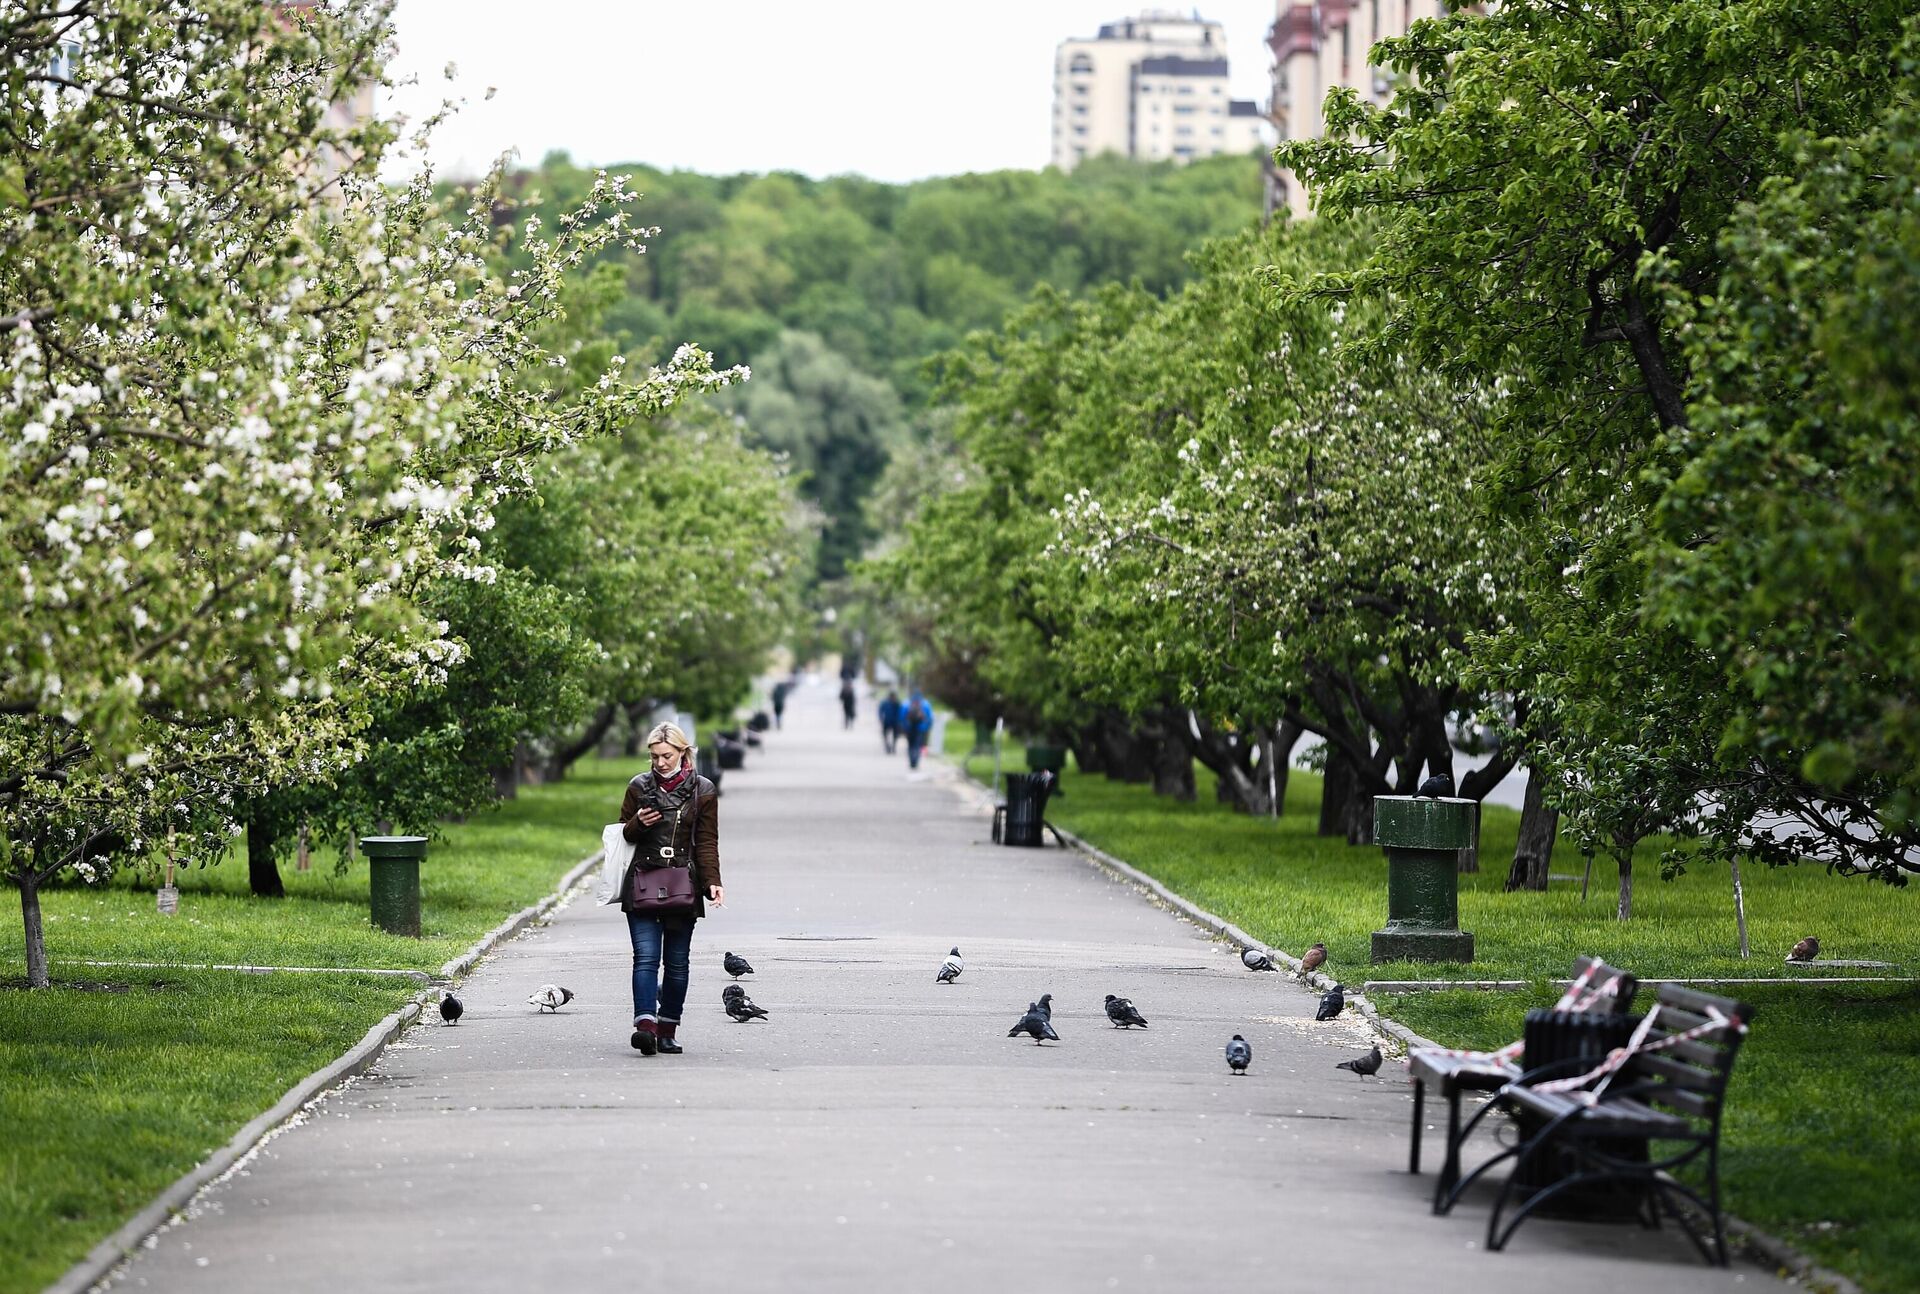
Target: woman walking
[[671, 814]]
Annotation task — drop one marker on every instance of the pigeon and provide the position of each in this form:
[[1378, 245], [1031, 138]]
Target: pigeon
[[451, 1008], [1120, 1011], [551, 997], [1366, 1066], [1314, 956], [741, 1008], [736, 966], [1036, 1023], [1239, 1055], [950, 968], [1437, 787], [1044, 1006], [1332, 1002], [732, 993], [1256, 959], [1806, 950]]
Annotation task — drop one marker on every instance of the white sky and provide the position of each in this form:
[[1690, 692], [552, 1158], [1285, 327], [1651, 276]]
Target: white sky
[[892, 89]]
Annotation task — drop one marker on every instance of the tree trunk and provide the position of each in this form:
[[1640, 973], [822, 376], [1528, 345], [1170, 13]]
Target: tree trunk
[[569, 753], [1276, 756], [1625, 910], [1533, 854], [1358, 824], [1740, 908], [506, 780], [29, 884], [1468, 861], [1336, 789], [1229, 757], [1127, 755], [1171, 755], [263, 874], [1089, 756]]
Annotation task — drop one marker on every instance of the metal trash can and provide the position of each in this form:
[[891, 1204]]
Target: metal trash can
[[1025, 814], [1582, 1040], [393, 874]]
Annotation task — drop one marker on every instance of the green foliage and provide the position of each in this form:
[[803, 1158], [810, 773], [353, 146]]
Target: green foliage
[[1651, 221]]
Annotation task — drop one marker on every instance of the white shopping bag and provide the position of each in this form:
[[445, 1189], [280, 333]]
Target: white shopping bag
[[616, 851]]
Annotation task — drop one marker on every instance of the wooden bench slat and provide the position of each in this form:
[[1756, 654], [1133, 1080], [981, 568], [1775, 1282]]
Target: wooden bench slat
[[1667, 1069]]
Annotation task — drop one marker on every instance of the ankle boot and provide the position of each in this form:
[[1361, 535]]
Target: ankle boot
[[668, 1047], [646, 1038]]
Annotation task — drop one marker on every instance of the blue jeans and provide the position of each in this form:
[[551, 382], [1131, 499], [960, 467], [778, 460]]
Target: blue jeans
[[916, 742], [654, 942]]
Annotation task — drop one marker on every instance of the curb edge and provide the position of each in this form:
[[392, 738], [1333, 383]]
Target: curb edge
[[125, 1240]]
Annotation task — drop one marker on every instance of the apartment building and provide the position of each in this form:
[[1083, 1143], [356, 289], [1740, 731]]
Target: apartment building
[[1317, 46], [1152, 87]]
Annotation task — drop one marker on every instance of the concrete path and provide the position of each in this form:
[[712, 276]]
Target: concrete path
[[880, 1132]]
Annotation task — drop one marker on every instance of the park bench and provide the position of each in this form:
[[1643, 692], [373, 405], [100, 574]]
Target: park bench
[[1593, 1132], [1595, 985]]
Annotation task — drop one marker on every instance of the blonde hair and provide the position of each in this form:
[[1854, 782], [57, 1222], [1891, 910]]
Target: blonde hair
[[672, 734]]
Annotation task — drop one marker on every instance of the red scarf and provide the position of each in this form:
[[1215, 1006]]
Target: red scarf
[[673, 783]]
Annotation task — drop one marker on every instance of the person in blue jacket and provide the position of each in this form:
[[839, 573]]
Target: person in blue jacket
[[916, 725], [890, 712]]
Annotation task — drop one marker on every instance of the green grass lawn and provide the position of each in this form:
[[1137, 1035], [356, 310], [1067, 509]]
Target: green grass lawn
[[1820, 1117], [116, 1081]]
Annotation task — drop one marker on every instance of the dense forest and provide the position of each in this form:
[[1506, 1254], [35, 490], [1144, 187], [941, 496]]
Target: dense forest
[[838, 291]]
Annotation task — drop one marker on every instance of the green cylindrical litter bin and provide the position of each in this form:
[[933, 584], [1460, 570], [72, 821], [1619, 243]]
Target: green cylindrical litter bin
[[393, 866], [1423, 837], [1051, 758]]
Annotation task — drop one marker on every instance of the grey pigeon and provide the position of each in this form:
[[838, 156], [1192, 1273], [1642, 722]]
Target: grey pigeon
[[1366, 1066], [1045, 1006], [736, 966], [1120, 1011], [1310, 961], [1256, 959], [451, 1008], [950, 968], [1035, 1024], [1332, 1002], [742, 1008], [1437, 787], [1239, 1055], [732, 993], [550, 997], [1806, 950]]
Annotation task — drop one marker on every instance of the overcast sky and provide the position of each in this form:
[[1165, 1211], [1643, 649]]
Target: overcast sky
[[892, 89]]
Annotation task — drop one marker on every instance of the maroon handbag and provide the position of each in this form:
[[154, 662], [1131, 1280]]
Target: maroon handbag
[[660, 891]]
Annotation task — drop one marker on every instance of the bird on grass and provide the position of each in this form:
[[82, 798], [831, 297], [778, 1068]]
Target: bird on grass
[[1366, 1066], [1437, 787], [1332, 1003], [1037, 1023], [1239, 1055], [741, 1007], [736, 966], [1120, 1011], [550, 997], [1311, 961], [451, 1008], [1256, 959], [950, 968], [1806, 950]]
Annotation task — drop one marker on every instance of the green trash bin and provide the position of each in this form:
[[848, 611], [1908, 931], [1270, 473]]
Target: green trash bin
[[1423, 838], [393, 864], [1053, 759]]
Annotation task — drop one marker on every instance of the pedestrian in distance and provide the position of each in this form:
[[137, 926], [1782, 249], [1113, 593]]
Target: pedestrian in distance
[[846, 702], [916, 725], [780, 691], [891, 708], [671, 815]]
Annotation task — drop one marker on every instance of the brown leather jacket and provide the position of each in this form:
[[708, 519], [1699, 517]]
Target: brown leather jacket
[[696, 836]]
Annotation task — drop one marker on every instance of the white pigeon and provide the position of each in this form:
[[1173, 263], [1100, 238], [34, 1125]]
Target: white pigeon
[[551, 997], [950, 968]]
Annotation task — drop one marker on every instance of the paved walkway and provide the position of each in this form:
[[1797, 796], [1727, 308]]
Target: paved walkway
[[881, 1132]]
